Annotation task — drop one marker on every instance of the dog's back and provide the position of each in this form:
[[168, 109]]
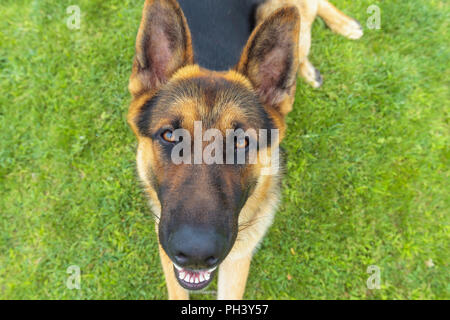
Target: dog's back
[[219, 29]]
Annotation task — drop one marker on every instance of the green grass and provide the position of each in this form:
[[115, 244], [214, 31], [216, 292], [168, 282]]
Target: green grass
[[367, 179]]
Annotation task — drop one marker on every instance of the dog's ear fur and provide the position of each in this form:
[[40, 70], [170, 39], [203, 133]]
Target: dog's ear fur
[[163, 45], [270, 59]]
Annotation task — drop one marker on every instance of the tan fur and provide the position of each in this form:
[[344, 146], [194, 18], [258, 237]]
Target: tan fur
[[309, 9], [233, 274], [176, 292]]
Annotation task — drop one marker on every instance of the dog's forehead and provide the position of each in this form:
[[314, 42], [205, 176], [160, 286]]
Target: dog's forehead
[[216, 101]]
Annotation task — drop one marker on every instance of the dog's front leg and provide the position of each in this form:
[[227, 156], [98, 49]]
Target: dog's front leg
[[233, 275], [176, 292]]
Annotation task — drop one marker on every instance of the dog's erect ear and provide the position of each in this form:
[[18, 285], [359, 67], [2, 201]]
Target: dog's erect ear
[[163, 45], [270, 58]]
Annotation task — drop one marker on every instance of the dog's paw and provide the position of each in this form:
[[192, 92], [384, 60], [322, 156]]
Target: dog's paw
[[354, 30], [350, 28], [311, 74]]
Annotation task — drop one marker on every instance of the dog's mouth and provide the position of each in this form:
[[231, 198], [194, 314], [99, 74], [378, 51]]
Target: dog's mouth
[[194, 279]]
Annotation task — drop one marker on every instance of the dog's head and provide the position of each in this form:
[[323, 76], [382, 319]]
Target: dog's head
[[198, 201]]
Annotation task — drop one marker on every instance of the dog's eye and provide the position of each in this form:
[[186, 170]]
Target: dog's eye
[[241, 143], [168, 136]]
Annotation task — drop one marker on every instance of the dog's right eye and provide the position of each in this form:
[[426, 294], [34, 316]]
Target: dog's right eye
[[168, 136]]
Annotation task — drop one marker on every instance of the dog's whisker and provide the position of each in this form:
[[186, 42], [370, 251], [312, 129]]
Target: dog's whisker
[[251, 222], [142, 189], [155, 216]]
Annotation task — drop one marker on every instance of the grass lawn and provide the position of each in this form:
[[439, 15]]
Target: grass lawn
[[367, 179]]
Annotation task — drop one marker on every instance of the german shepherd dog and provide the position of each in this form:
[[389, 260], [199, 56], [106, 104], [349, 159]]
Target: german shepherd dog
[[211, 217]]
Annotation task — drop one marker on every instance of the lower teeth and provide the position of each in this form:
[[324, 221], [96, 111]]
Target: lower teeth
[[196, 277]]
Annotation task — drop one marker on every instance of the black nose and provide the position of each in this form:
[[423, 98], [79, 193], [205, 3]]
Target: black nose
[[196, 248]]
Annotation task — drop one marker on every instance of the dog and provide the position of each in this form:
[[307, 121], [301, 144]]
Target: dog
[[217, 65]]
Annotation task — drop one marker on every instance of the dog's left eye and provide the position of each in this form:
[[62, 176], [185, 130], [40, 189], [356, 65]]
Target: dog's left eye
[[168, 136], [241, 143]]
